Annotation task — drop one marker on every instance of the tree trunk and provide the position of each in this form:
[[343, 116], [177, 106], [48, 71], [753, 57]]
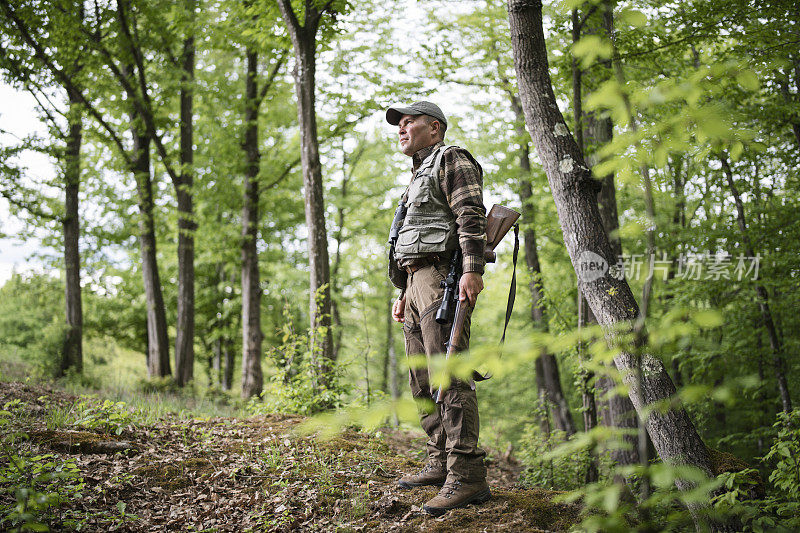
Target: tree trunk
[[72, 352], [157, 339], [575, 195], [184, 334], [587, 390], [252, 375], [548, 379], [391, 356], [614, 410], [337, 262], [778, 361], [304, 40]]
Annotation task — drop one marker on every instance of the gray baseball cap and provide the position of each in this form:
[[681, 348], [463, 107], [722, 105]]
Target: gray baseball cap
[[396, 112]]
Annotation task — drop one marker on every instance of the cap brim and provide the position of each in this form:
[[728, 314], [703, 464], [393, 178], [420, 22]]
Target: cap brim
[[395, 113]]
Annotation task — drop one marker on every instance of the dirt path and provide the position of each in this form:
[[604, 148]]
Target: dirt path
[[256, 474]]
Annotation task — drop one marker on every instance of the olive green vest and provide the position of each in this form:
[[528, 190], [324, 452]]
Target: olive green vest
[[429, 226]]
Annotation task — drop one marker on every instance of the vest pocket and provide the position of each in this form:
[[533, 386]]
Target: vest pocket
[[407, 239], [434, 234], [431, 237], [419, 193]]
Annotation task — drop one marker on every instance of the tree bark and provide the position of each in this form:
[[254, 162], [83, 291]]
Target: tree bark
[[304, 40], [184, 334], [778, 360], [72, 352], [548, 379], [614, 410], [252, 337], [158, 364], [391, 356], [575, 195]]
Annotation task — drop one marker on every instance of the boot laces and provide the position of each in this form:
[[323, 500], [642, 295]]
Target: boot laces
[[450, 488]]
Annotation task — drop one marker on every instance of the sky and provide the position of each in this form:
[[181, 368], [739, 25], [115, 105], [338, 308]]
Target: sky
[[18, 119]]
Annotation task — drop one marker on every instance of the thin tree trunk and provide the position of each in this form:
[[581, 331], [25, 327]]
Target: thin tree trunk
[[778, 361], [216, 363], [158, 364], [337, 262], [252, 337], [548, 379], [72, 353], [228, 350], [304, 42], [614, 410], [391, 356], [184, 334], [575, 195]]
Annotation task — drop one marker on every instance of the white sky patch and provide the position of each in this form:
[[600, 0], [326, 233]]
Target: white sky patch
[[18, 119]]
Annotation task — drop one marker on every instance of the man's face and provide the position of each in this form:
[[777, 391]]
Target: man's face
[[416, 133]]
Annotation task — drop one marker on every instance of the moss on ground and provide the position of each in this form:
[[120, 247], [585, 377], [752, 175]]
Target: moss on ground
[[723, 462], [81, 442], [175, 476]]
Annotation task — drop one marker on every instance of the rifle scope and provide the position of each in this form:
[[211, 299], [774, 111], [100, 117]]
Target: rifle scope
[[399, 216], [450, 298]]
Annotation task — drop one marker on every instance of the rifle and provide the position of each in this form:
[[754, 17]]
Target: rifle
[[498, 222], [396, 276]]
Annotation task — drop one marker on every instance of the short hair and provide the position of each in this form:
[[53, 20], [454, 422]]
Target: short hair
[[442, 125]]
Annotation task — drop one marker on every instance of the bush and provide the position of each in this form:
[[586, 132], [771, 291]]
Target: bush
[[32, 320], [39, 484]]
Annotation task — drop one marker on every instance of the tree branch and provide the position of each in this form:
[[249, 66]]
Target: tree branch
[[65, 80], [146, 110], [270, 78]]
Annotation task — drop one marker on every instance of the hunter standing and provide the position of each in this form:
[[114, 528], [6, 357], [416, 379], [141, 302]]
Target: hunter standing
[[445, 211]]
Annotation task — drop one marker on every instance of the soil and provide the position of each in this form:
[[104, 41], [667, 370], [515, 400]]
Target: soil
[[260, 474]]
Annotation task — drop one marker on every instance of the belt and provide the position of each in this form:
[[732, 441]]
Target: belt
[[421, 262]]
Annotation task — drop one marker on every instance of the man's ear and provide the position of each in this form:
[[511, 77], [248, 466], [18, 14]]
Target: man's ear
[[436, 129]]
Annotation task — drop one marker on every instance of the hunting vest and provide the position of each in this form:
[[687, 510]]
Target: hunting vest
[[429, 226]]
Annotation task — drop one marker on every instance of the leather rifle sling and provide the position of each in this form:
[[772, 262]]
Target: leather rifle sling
[[512, 291]]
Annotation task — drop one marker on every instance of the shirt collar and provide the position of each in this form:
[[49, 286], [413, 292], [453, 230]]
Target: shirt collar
[[422, 154]]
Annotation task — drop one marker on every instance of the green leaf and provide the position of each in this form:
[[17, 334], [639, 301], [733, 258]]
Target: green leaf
[[748, 80], [591, 47], [736, 150], [635, 18], [707, 318]]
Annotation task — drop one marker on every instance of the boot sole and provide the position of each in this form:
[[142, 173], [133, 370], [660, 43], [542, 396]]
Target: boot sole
[[481, 497], [405, 485]]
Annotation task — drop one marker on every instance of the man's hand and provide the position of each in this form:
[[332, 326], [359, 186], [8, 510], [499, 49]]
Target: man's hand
[[399, 310], [470, 285]]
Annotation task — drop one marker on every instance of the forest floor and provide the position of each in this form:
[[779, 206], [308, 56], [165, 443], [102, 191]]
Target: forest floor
[[238, 474]]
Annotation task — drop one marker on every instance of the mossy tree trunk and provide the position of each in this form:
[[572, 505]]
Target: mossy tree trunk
[[610, 299]]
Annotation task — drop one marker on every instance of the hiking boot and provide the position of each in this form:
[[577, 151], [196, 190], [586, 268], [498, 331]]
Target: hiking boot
[[432, 474], [456, 494]]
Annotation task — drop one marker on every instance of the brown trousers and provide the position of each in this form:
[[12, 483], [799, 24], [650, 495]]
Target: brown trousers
[[453, 425]]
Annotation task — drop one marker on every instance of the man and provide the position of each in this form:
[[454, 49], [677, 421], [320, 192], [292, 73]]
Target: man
[[444, 211]]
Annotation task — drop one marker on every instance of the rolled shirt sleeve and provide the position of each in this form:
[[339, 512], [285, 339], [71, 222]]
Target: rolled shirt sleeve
[[462, 182]]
